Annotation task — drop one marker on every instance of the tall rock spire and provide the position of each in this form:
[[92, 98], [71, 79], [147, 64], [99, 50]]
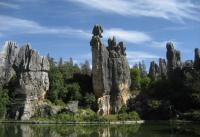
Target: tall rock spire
[[111, 74]]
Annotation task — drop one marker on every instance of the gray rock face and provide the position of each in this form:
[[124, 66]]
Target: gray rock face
[[197, 59], [174, 63], [163, 68], [72, 107], [46, 110], [173, 57], [153, 70], [6, 62], [111, 74], [32, 76]]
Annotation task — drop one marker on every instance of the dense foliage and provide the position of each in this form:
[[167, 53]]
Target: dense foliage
[[175, 97], [69, 82]]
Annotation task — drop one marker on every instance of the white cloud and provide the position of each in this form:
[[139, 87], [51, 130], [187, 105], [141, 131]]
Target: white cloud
[[166, 9], [16, 25], [137, 56], [9, 5], [127, 36]]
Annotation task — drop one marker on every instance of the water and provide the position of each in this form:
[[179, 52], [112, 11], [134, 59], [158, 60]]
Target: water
[[144, 130]]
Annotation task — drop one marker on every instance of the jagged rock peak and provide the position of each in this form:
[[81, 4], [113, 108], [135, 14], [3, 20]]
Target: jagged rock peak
[[170, 46], [173, 57], [11, 50], [116, 50], [112, 42], [111, 74], [97, 30], [153, 70], [31, 75], [163, 68], [30, 60]]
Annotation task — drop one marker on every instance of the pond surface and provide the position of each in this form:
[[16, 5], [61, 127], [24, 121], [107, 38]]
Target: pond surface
[[153, 129]]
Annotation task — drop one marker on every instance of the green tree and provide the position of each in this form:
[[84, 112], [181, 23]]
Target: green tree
[[135, 78], [68, 70], [4, 100], [89, 101], [144, 82], [73, 92], [85, 68], [56, 83]]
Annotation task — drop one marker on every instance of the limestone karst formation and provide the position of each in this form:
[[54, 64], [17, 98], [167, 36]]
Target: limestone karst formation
[[153, 70], [111, 74], [31, 72], [174, 68]]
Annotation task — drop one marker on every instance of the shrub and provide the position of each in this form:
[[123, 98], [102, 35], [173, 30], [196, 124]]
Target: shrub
[[128, 116]]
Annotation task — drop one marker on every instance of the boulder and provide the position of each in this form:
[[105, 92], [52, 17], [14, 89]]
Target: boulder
[[46, 110], [72, 107]]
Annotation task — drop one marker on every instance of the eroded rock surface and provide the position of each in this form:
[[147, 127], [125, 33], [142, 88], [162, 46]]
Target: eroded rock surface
[[173, 57], [32, 79], [7, 59], [111, 74], [153, 70], [163, 68]]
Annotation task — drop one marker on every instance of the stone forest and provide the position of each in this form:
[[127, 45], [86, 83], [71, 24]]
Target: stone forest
[[38, 88]]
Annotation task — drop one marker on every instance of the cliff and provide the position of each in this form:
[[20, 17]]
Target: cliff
[[31, 71]]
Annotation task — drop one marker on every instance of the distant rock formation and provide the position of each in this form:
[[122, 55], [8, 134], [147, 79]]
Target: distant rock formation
[[163, 68], [174, 69], [31, 70], [197, 59], [173, 57], [111, 74], [153, 71]]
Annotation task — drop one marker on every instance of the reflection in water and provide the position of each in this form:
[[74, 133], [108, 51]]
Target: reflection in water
[[144, 130]]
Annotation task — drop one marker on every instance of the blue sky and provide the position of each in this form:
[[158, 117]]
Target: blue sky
[[63, 27]]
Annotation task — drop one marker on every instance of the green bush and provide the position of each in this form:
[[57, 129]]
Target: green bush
[[128, 116], [82, 115], [145, 81], [59, 103], [88, 115], [63, 118]]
